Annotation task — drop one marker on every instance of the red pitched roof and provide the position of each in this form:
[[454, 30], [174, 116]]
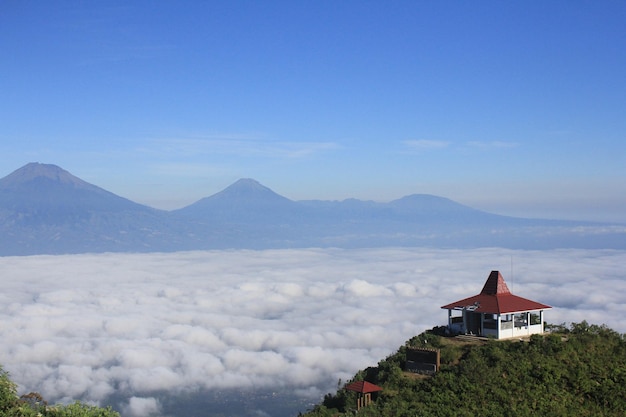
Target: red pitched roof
[[495, 298], [363, 387], [495, 285]]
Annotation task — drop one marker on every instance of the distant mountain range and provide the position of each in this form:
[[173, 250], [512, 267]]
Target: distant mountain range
[[46, 210]]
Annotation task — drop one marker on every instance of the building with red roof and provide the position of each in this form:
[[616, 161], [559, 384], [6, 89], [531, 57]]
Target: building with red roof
[[496, 312], [365, 390]]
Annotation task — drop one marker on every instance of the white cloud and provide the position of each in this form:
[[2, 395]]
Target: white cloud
[[426, 144], [89, 326], [138, 407], [240, 145], [496, 144]]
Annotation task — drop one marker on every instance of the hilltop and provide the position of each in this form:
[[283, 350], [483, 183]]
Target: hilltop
[[579, 371]]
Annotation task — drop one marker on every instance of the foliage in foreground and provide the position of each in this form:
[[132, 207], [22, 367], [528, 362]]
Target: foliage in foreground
[[578, 371], [33, 405]]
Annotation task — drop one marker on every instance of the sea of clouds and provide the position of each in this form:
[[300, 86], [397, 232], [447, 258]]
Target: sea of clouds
[[130, 326]]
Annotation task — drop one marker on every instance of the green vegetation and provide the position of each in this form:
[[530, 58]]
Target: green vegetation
[[33, 405], [580, 370]]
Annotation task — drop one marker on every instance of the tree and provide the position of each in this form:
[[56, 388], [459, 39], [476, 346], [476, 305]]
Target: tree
[[33, 404], [8, 391]]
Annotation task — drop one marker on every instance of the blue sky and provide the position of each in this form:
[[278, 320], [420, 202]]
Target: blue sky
[[513, 107]]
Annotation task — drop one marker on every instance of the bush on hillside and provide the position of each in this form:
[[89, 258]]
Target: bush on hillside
[[33, 405]]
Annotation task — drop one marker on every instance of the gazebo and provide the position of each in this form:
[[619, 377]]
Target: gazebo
[[496, 312], [365, 390]]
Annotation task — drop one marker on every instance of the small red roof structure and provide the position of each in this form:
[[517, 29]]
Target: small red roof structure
[[363, 387], [365, 390], [495, 298]]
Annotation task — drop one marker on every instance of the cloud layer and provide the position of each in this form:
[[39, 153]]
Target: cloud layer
[[95, 326]]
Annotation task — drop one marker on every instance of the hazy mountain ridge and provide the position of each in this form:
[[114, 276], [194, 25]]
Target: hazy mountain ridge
[[46, 210]]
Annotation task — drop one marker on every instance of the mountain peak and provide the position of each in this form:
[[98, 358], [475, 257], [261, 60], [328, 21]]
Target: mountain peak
[[246, 200], [248, 183], [34, 171], [248, 189], [39, 188]]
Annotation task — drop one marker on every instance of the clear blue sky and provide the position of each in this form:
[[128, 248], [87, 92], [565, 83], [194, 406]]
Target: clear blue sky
[[513, 107]]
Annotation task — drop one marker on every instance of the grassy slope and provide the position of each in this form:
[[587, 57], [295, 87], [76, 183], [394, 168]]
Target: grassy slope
[[575, 371]]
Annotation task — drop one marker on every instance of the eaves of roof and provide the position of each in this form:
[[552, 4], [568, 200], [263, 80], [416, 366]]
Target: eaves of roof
[[496, 304], [363, 387]]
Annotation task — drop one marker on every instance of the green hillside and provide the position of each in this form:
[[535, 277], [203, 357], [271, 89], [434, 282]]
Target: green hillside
[[575, 371]]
